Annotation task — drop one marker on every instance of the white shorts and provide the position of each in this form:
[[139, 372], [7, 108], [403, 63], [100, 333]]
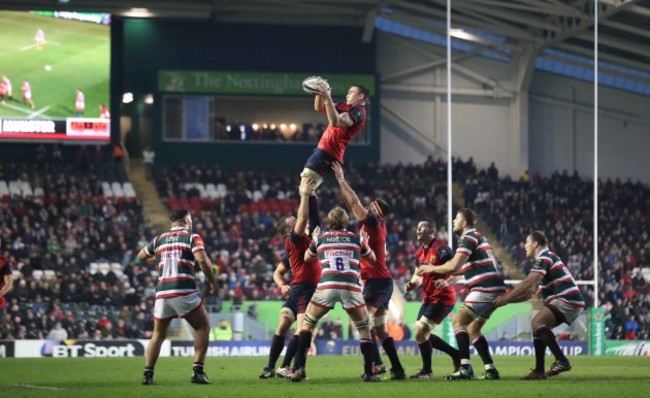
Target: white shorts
[[172, 307], [568, 310], [349, 299], [80, 105], [481, 303]]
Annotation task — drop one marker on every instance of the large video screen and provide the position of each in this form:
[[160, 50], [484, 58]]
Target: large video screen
[[55, 83]]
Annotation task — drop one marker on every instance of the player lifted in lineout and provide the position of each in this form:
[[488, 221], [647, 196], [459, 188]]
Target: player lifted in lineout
[[345, 120]]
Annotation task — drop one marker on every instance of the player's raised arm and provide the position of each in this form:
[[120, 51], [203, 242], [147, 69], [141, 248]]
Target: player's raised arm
[[350, 197], [334, 118], [307, 186], [312, 253]]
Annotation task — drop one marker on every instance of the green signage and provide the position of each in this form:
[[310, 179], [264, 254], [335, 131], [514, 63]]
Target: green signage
[[251, 83], [596, 331]]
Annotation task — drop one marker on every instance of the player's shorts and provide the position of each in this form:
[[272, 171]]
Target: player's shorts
[[172, 307], [27, 95], [377, 292], [349, 299], [320, 162], [480, 303], [299, 296], [435, 312], [79, 105], [564, 311]]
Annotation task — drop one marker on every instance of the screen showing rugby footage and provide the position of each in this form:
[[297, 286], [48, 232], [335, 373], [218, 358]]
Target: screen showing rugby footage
[[55, 83]]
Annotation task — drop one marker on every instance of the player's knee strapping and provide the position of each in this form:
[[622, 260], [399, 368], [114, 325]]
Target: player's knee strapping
[[287, 313], [378, 321], [309, 321], [312, 175], [425, 323], [362, 324]]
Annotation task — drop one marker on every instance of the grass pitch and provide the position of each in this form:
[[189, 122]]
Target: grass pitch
[[331, 376], [78, 54]]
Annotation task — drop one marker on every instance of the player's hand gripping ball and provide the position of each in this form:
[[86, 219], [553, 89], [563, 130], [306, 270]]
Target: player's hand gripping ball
[[311, 85]]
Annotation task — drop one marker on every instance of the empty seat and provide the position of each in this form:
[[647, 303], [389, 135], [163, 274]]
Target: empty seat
[[106, 189], [15, 188], [222, 190], [116, 266], [37, 274], [211, 191], [49, 274], [104, 268], [93, 268], [118, 192], [26, 189], [129, 192]]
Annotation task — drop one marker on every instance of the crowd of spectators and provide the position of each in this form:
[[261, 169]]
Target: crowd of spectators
[[63, 227], [71, 225]]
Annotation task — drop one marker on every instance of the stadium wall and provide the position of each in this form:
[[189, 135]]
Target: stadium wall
[[560, 117], [562, 127], [152, 45]]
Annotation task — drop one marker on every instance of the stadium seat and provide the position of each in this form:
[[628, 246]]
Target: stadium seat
[[115, 266], [129, 192], [15, 188], [16, 274], [104, 268], [257, 195], [49, 274], [211, 191], [118, 273], [26, 189], [154, 274], [201, 188], [222, 190], [37, 274], [4, 188], [93, 268], [118, 192], [106, 189]]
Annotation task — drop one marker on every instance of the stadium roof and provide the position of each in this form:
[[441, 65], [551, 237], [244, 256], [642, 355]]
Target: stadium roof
[[565, 25]]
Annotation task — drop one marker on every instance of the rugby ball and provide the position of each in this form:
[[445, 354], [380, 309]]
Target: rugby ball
[[311, 85]]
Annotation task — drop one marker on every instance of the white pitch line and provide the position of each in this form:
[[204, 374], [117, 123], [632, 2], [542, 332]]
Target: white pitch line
[[30, 114], [37, 387], [16, 108], [38, 112], [27, 48]]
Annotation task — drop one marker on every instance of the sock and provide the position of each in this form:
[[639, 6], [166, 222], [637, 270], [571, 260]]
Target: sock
[[462, 339], [483, 350], [548, 336], [366, 350], [425, 352], [441, 345], [197, 366], [540, 352], [376, 357], [277, 344], [391, 351], [292, 348], [304, 341]]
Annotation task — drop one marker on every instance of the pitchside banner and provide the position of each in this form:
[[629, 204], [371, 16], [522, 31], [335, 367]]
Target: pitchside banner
[[344, 347], [185, 348], [253, 83], [82, 348], [628, 348]]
